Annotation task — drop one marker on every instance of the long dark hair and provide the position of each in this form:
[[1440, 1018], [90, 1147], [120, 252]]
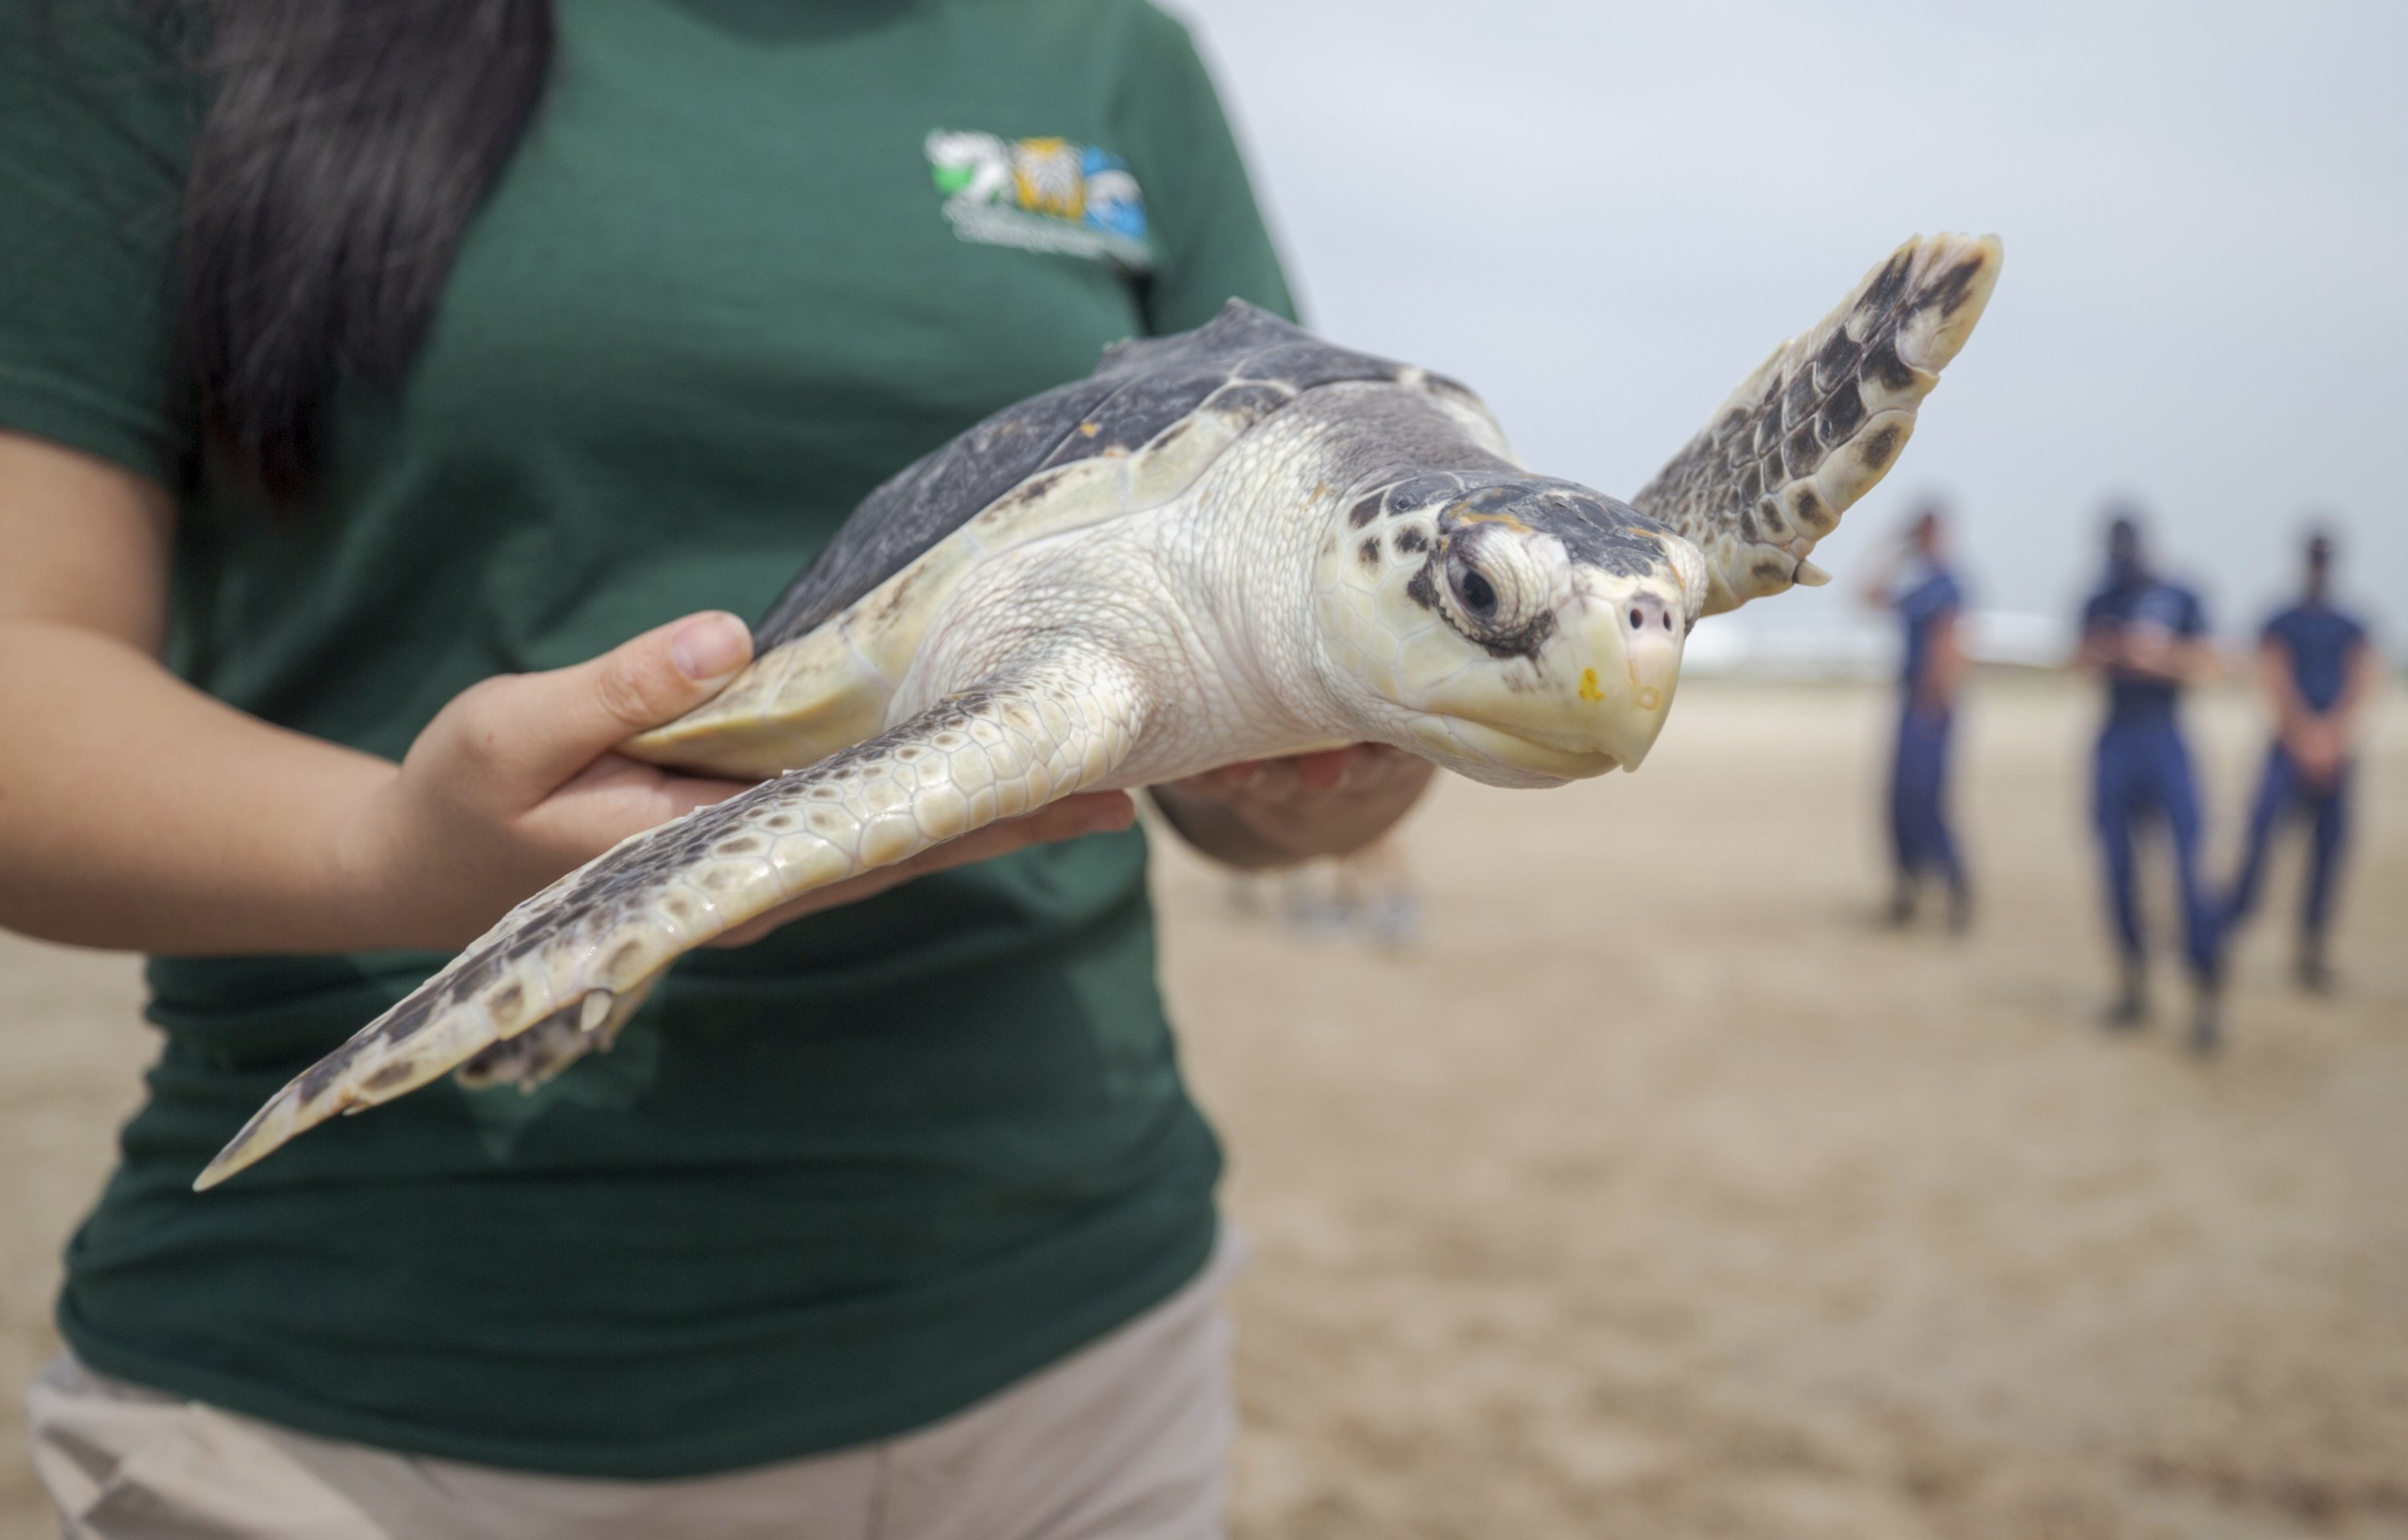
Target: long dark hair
[[345, 145]]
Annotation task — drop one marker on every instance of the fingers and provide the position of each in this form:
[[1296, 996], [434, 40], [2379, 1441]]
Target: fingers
[[620, 796], [1328, 770], [529, 732]]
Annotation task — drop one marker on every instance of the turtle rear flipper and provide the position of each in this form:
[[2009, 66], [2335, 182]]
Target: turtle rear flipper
[[570, 964], [1821, 420]]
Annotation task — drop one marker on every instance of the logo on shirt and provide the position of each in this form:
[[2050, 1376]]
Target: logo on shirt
[[1040, 195]]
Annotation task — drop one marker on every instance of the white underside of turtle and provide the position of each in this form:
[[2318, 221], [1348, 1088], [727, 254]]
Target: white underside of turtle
[[1232, 544]]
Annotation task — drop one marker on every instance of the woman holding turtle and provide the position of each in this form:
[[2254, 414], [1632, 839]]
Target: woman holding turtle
[[369, 371]]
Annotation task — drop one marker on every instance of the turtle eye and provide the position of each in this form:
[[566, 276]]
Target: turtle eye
[[1489, 595], [1479, 595]]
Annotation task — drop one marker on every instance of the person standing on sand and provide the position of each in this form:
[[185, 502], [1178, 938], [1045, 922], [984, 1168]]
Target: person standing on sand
[[1928, 601], [2147, 639], [2317, 669]]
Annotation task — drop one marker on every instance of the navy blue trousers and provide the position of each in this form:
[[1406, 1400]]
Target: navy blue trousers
[[2143, 776], [1920, 841], [2284, 790]]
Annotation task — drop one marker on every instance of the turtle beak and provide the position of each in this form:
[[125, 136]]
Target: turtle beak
[[1625, 657]]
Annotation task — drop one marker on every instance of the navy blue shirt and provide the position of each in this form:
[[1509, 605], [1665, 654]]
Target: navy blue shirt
[[2320, 640], [1923, 606], [2140, 605]]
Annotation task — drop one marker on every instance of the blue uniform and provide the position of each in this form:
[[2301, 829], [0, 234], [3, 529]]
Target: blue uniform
[[2321, 641], [2142, 770], [1919, 834]]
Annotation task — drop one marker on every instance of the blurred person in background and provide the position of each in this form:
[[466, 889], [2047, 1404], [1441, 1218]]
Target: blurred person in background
[[1375, 885], [2147, 637], [1921, 588], [362, 389], [2317, 669], [1367, 895]]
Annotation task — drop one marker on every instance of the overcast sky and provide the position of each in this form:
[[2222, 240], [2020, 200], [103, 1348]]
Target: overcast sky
[[1601, 216]]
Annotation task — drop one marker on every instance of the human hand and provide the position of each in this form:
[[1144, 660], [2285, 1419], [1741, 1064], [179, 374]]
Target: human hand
[[2143, 648], [1272, 812], [514, 783], [2316, 747]]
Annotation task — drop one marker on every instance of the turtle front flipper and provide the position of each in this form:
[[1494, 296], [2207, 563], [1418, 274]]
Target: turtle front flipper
[[568, 966], [1821, 420]]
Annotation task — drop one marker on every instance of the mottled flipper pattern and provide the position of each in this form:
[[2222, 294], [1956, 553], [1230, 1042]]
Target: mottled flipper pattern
[[1821, 420], [562, 972]]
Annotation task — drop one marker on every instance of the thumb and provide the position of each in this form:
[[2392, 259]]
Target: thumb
[[540, 729]]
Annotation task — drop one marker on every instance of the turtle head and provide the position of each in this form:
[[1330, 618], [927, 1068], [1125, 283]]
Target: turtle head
[[1520, 630]]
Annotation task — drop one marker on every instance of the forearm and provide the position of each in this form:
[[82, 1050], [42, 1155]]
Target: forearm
[[2097, 651], [1217, 832], [1943, 672], [2275, 683], [138, 813], [2365, 674], [1949, 678], [2170, 659]]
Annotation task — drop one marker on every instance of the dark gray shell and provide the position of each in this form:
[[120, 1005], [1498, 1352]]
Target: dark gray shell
[[1140, 389]]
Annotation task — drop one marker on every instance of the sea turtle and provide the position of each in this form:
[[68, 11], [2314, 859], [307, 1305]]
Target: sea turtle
[[1231, 544]]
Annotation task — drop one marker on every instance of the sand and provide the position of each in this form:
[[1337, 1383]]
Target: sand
[[1661, 1193]]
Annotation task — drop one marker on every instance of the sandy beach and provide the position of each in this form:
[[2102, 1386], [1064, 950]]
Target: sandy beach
[[1661, 1191]]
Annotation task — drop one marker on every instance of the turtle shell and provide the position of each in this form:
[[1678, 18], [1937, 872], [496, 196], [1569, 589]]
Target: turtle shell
[[1134, 434], [1142, 399]]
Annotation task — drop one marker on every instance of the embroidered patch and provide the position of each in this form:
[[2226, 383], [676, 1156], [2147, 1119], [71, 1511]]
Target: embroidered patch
[[1040, 195]]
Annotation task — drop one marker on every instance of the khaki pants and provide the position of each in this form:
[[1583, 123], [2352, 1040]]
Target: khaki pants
[[1126, 1439]]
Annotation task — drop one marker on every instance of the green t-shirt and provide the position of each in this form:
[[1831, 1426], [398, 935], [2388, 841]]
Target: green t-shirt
[[752, 258]]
